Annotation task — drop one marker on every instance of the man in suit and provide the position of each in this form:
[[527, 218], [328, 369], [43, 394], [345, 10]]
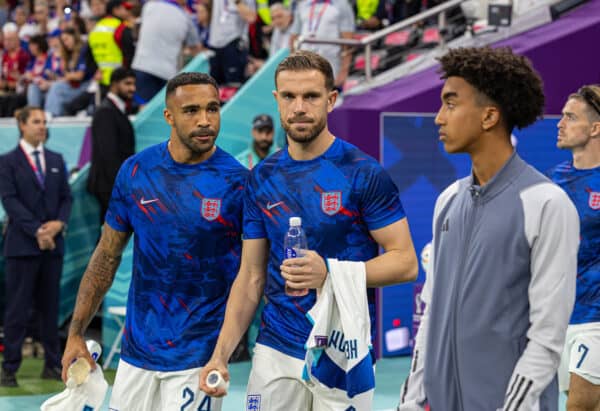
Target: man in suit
[[37, 199], [112, 137]]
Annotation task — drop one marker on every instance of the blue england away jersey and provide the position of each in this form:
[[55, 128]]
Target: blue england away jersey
[[187, 223], [340, 196], [583, 187]]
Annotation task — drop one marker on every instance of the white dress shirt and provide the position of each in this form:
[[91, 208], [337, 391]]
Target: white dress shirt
[[29, 149]]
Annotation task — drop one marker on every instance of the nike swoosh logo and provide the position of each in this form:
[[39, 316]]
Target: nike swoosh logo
[[270, 206], [144, 202]]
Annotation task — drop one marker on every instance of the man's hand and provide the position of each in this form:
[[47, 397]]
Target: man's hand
[[213, 364], [308, 271], [51, 228], [75, 349], [45, 241]]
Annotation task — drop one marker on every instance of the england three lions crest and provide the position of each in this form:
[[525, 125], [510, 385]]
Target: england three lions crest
[[331, 202], [211, 208], [594, 201]]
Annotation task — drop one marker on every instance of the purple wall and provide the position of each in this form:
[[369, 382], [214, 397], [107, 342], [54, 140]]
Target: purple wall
[[565, 52]]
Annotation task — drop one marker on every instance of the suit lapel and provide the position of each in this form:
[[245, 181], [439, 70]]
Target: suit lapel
[[52, 168], [25, 164]]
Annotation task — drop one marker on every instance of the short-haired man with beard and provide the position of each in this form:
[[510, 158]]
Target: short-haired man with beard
[[579, 132], [501, 282], [262, 142], [349, 208], [183, 200]]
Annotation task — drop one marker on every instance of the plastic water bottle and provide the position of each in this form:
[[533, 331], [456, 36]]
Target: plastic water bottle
[[79, 371], [294, 245]]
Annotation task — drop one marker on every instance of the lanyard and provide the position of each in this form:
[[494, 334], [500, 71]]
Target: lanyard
[[31, 163], [311, 29]]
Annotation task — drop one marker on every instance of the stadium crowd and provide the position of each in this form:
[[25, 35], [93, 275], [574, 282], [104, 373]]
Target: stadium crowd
[[59, 54]]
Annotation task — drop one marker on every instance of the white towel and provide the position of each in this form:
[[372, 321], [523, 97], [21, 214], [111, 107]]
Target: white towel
[[338, 347], [88, 396]]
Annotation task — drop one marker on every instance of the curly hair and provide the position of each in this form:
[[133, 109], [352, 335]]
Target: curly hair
[[505, 78]]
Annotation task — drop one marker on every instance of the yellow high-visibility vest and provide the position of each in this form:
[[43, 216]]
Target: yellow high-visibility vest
[[104, 48], [365, 9], [263, 11]]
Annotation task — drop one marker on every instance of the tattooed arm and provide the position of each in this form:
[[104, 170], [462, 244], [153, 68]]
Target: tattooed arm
[[96, 281]]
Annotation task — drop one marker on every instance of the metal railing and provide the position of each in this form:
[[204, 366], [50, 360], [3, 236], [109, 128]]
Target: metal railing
[[368, 41]]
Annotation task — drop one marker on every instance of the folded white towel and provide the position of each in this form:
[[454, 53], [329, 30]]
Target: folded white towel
[[88, 396]]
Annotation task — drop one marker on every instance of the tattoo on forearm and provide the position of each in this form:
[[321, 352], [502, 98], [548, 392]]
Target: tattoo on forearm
[[97, 278]]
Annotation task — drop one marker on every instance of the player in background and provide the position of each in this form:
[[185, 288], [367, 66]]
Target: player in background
[[183, 200], [501, 282], [579, 131], [349, 207]]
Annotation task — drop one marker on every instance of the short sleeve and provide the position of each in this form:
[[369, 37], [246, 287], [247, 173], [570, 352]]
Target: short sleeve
[[296, 22], [117, 216], [346, 17], [380, 200], [254, 226], [192, 37]]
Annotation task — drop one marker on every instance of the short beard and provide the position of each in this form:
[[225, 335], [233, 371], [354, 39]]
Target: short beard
[[188, 142], [263, 145], [124, 97], [303, 138]]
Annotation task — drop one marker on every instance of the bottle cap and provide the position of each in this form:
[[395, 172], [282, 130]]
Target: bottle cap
[[214, 379], [94, 348], [295, 221]]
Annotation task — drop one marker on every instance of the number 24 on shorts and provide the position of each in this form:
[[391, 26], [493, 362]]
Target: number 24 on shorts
[[189, 396], [582, 348]]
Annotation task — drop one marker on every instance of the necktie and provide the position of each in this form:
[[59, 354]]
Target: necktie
[[38, 165]]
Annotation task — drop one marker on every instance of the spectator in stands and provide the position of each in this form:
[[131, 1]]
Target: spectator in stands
[[326, 19], [3, 12], [165, 29], [281, 19], [262, 142], [42, 23], [229, 39], [203, 16], [75, 66], [54, 70], [97, 10], [35, 74], [370, 14], [111, 41], [113, 139], [20, 16], [36, 196], [14, 63]]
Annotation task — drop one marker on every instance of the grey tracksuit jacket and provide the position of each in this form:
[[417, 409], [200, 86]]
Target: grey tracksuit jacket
[[499, 294]]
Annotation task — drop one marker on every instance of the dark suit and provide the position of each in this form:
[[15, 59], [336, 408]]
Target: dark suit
[[113, 142], [32, 275]]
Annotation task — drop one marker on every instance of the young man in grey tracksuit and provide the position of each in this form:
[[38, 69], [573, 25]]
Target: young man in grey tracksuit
[[504, 254]]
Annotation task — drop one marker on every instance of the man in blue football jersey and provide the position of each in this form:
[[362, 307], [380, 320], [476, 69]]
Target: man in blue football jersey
[[183, 200], [579, 131], [349, 207]]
